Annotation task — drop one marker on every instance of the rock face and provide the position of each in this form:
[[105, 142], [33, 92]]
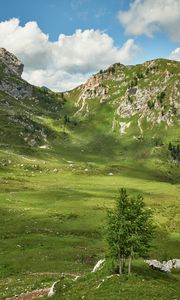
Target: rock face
[[14, 65], [10, 76], [96, 88], [18, 89]]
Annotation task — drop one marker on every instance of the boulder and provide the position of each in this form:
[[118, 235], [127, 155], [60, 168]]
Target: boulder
[[98, 265], [165, 266], [176, 263], [52, 290], [154, 264]]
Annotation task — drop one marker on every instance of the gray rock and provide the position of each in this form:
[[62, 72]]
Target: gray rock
[[176, 263], [52, 290], [165, 266], [14, 65], [132, 91], [11, 83], [154, 264], [18, 90], [98, 265]]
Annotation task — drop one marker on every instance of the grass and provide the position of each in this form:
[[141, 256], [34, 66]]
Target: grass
[[143, 284], [53, 222]]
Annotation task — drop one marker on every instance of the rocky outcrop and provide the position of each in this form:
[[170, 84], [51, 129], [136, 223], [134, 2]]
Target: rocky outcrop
[[17, 89], [13, 64], [52, 290], [99, 265], [95, 87], [10, 76], [165, 266]]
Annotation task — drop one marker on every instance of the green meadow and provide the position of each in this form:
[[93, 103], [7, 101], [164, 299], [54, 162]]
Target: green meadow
[[52, 221]]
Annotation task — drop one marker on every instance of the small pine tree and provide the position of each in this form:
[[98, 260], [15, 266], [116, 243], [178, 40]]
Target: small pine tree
[[161, 97], [129, 230], [150, 104], [173, 152], [170, 146], [140, 75], [178, 152]]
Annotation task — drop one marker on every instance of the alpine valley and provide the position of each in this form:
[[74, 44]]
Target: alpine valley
[[63, 157]]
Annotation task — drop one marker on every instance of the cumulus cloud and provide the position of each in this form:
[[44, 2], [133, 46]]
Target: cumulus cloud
[[175, 55], [67, 62], [148, 16]]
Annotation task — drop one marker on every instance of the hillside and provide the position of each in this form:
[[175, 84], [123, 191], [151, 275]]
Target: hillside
[[63, 156], [115, 112]]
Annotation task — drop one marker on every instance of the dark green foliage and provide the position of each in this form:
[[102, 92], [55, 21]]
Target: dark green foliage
[[140, 75], [111, 69], [133, 82], [174, 151], [129, 229], [158, 141], [174, 110], [170, 146], [150, 104], [161, 97], [66, 119], [130, 99]]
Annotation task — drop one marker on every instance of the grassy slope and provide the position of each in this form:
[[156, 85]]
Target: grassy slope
[[53, 201], [143, 284], [53, 222]]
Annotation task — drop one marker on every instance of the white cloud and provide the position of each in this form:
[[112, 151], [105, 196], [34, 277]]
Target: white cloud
[[148, 16], [56, 80], [175, 55], [67, 62]]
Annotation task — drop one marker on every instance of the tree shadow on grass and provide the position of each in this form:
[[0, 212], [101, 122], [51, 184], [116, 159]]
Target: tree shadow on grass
[[149, 274]]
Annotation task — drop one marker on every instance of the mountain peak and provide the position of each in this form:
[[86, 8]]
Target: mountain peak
[[13, 64], [11, 82]]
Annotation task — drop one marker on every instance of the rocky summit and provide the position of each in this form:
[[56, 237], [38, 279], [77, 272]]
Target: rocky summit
[[12, 63], [11, 70]]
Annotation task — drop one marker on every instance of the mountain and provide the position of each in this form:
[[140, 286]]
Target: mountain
[[121, 113], [23, 107]]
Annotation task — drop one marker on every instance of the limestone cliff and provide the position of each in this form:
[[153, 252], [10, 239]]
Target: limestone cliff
[[11, 82]]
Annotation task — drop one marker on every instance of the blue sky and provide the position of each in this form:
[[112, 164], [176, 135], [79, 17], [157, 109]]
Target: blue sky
[[55, 17]]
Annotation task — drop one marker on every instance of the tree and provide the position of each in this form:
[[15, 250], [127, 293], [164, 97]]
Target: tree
[[129, 230], [170, 146], [66, 119], [150, 104], [161, 97]]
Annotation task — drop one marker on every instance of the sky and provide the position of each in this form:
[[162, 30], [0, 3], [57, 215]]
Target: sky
[[63, 42]]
